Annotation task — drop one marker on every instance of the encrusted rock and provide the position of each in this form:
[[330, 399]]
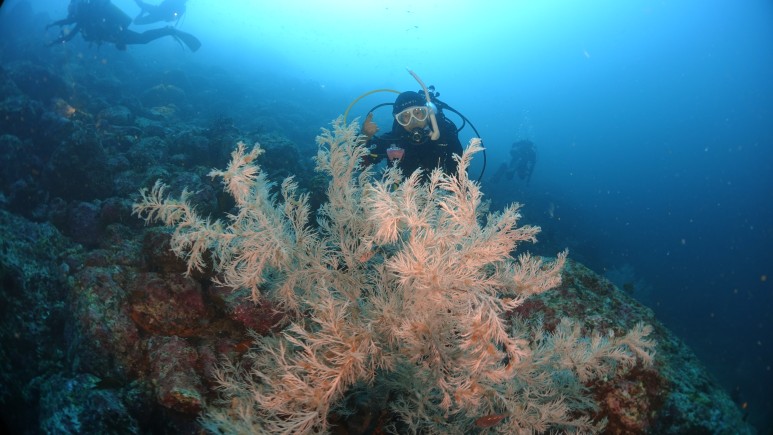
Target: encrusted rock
[[177, 385], [168, 304]]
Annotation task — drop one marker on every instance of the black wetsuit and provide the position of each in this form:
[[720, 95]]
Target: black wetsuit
[[101, 21], [426, 154]]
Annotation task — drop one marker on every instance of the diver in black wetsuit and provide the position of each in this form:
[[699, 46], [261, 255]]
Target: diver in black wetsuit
[[101, 21], [167, 10], [523, 158], [411, 141]]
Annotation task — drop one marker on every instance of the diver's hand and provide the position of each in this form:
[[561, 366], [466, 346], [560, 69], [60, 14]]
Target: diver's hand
[[369, 128]]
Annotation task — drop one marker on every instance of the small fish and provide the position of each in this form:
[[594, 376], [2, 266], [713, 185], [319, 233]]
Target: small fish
[[490, 420], [243, 346]]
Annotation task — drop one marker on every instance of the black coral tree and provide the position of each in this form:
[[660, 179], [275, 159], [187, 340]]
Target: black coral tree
[[399, 291]]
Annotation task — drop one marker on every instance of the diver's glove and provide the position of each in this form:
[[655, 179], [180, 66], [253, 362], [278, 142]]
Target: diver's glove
[[369, 128]]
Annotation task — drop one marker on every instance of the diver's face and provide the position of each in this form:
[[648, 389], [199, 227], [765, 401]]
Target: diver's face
[[413, 117], [414, 124]]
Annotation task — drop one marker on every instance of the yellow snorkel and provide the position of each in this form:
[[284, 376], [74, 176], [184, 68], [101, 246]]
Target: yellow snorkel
[[435, 133]]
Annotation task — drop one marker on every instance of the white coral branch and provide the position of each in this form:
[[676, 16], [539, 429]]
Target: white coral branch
[[239, 177], [403, 285]]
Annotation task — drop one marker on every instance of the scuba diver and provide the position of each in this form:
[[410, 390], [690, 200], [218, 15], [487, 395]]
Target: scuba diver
[[416, 139], [523, 157], [101, 21], [421, 135], [167, 10]]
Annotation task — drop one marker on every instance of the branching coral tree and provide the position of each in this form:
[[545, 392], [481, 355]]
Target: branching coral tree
[[399, 291]]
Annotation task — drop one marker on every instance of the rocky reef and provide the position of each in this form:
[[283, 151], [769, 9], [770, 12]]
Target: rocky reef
[[97, 340], [100, 329]]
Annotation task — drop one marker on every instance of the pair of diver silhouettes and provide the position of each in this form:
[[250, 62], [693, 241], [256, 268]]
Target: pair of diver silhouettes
[[523, 157], [101, 21]]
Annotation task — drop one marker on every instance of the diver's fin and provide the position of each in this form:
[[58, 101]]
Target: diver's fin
[[191, 41], [143, 19]]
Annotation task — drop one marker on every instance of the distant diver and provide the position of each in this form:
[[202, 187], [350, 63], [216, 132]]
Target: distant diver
[[167, 10], [523, 158], [101, 21]]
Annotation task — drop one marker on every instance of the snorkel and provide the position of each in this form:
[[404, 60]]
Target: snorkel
[[435, 133]]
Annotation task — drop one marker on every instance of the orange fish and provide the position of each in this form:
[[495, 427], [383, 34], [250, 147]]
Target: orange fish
[[490, 420]]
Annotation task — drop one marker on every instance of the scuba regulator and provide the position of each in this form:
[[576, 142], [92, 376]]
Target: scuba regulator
[[420, 135]]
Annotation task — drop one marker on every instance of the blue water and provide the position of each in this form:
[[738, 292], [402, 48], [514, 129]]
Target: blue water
[[653, 122]]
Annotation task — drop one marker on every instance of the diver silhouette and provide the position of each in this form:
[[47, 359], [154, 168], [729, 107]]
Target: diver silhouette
[[101, 21], [167, 10], [523, 158]]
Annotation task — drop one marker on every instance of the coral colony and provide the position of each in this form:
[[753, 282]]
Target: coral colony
[[395, 300]]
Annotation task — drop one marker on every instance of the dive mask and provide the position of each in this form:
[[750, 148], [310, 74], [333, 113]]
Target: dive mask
[[420, 113]]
